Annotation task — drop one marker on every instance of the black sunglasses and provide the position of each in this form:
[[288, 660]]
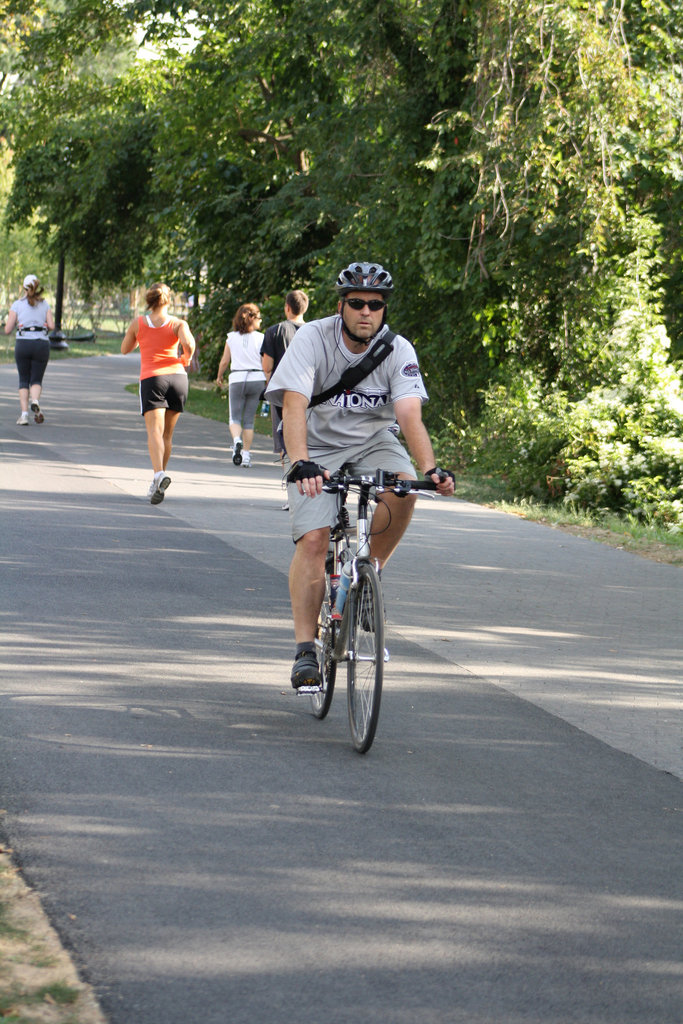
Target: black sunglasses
[[374, 305]]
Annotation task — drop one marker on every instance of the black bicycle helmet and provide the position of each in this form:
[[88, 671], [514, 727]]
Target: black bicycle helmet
[[365, 277]]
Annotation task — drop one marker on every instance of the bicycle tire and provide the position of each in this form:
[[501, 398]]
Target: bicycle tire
[[366, 657], [324, 646]]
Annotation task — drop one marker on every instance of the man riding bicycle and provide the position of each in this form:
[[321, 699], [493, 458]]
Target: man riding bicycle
[[354, 427]]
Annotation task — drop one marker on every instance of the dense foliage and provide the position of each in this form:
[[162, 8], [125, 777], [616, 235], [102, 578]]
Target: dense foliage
[[618, 448], [517, 164]]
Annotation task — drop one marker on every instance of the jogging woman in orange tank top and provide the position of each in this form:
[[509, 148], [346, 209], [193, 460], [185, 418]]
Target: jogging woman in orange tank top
[[166, 348]]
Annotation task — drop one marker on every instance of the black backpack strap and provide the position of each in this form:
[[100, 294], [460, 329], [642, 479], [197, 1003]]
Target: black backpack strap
[[355, 374]]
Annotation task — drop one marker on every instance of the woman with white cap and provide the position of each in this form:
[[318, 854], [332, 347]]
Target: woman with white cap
[[32, 318]]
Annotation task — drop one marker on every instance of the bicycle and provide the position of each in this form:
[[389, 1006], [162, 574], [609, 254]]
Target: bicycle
[[355, 633]]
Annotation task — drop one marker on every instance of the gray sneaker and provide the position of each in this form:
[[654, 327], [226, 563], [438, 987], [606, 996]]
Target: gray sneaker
[[237, 452], [35, 409]]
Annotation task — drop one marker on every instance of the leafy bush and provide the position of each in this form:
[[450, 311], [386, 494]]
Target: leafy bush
[[618, 448], [520, 435]]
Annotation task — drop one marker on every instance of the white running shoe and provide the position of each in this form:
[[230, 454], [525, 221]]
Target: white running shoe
[[237, 451], [246, 459], [158, 487], [23, 420], [35, 409]]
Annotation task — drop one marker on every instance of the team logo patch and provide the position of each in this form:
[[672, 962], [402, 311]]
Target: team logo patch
[[410, 370], [360, 400]]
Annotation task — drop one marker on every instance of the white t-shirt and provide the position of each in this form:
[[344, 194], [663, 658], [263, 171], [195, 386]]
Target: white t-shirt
[[316, 359], [245, 356], [31, 316]]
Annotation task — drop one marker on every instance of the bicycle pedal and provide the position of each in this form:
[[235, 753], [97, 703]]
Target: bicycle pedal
[[308, 689]]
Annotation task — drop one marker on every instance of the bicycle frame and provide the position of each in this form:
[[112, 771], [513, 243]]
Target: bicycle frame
[[342, 546]]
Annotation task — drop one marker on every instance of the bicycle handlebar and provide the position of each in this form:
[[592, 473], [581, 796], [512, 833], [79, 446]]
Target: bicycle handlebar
[[381, 481]]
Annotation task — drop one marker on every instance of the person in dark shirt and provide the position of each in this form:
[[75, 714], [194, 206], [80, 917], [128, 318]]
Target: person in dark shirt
[[275, 342]]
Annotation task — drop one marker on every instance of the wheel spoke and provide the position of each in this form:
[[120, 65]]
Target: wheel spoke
[[366, 646]]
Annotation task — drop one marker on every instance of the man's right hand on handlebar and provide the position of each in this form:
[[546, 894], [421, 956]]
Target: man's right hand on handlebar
[[308, 477]]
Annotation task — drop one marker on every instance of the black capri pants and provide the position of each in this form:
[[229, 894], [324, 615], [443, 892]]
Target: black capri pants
[[32, 356]]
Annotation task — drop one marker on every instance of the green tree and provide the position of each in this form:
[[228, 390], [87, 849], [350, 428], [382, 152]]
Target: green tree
[[20, 252], [549, 176], [516, 164], [87, 185], [82, 164]]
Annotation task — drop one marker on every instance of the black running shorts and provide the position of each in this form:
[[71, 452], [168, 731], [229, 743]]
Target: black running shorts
[[167, 391]]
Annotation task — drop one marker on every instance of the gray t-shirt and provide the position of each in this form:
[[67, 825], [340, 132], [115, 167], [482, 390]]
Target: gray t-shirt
[[316, 359]]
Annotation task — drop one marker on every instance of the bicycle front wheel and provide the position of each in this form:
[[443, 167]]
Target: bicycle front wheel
[[366, 657]]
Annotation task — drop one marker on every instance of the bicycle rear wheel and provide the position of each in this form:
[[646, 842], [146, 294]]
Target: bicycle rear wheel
[[366, 657], [324, 646]]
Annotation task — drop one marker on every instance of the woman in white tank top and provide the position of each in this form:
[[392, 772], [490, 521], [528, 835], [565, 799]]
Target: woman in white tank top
[[242, 353]]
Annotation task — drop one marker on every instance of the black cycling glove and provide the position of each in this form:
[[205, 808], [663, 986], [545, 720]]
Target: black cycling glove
[[441, 473], [303, 469]]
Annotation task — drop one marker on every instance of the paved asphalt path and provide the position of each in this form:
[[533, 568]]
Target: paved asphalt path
[[509, 852]]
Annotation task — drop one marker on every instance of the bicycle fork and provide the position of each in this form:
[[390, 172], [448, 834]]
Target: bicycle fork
[[341, 650]]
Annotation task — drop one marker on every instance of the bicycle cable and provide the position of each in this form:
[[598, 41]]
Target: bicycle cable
[[378, 533]]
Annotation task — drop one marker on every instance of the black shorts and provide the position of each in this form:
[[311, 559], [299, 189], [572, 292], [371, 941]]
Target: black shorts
[[167, 391]]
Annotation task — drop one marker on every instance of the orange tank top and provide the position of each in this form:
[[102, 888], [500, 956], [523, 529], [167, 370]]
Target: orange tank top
[[158, 349]]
